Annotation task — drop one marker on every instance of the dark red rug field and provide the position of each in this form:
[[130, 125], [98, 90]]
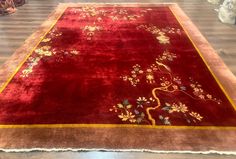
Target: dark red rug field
[[114, 65]]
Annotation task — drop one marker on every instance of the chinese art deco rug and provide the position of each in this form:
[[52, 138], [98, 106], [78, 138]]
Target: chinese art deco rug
[[117, 77]]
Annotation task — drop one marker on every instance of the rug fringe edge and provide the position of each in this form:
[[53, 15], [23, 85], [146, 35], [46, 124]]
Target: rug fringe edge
[[117, 150]]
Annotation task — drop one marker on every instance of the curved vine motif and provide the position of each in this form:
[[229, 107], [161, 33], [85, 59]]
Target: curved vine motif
[[141, 112]]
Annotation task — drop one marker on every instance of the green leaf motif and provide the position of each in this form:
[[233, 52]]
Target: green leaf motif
[[126, 102]]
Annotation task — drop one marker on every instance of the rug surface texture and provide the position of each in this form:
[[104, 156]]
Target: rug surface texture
[[110, 76]]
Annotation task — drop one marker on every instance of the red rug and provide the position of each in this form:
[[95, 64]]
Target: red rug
[[115, 66]]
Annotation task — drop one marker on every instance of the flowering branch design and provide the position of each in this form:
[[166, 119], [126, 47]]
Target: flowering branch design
[[45, 51], [115, 14], [160, 34], [130, 113], [167, 83]]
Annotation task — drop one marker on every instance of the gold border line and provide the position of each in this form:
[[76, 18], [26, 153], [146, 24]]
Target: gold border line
[[116, 126], [112, 125], [205, 62], [30, 53]]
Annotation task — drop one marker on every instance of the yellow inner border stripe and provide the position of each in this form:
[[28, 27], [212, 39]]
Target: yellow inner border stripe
[[116, 126], [119, 125], [30, 53], [208, 67]]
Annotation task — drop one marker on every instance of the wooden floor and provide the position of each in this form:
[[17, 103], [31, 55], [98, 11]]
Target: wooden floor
[[14, 29]]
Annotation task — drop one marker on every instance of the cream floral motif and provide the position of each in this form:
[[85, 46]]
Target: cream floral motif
[[74, 52], [33, 61], [119, 14], [200, 93], [196, 116], [150, 77], [125, 17], [164, 82], [128, 116], [90, 11], [136, 73], [163, 39], [190, 117], [115, 14], [177, 107], [90, 31], [170, 30], [136, 113], [129, 113], [53, 33], [44, 51], [167, 56], [46, 40], [134, 77], [160, 34], [40, 53]]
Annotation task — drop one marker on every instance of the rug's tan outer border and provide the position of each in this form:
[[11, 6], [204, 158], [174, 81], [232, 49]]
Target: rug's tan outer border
[[126, 138]]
